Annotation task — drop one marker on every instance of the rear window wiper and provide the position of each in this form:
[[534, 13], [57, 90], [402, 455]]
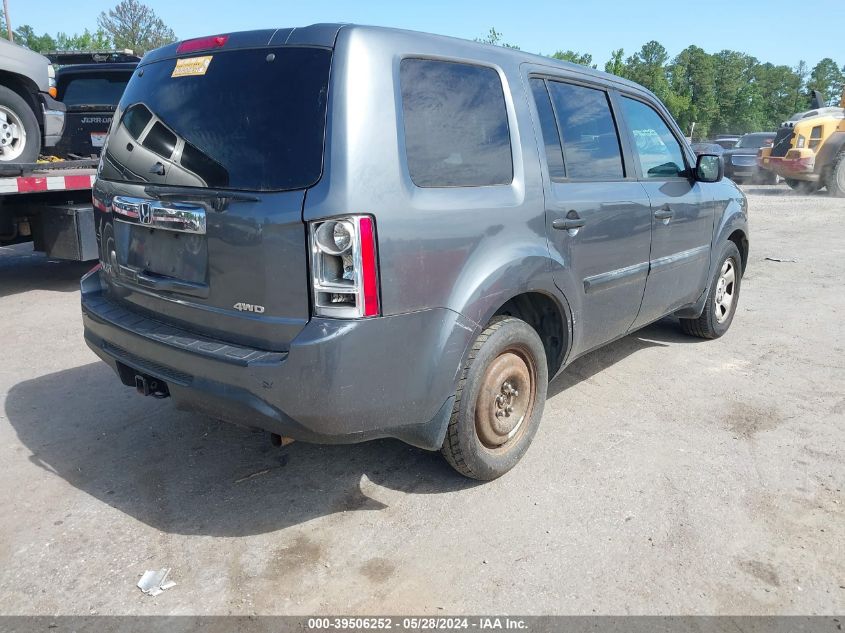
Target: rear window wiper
[[165, 192]]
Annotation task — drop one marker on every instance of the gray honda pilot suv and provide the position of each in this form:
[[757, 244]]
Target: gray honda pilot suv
[[339, 233]]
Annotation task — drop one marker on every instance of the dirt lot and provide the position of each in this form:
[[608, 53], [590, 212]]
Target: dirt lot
[[669, 475]]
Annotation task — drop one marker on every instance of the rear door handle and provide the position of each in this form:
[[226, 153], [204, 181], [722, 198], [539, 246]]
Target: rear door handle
[[566, 224], [664, 214]]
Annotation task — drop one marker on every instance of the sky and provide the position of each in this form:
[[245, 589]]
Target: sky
[[758, 27]]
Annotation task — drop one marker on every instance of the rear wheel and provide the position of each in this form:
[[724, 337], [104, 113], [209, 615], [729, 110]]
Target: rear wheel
[[20, 137], [805, 187], [721, 300], [499, 400], [836, 177]]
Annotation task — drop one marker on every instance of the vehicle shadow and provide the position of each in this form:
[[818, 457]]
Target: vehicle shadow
[[183, 473], [22, 270], [779, 190], [658, 334]]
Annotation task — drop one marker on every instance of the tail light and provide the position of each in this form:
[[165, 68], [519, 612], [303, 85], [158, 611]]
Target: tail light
[[344, 267], [202, 43]]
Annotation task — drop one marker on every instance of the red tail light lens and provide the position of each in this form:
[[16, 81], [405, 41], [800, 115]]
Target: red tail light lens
[[202, 43], [369, 268]]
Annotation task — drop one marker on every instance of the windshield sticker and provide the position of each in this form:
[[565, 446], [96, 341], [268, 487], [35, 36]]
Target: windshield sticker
[[190, 66]]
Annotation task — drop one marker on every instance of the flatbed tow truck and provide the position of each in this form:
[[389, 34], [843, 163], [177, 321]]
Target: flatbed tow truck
[[49, 204]]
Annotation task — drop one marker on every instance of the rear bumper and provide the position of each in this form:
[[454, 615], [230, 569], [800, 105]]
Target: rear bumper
[[54, 119], [341, 381]]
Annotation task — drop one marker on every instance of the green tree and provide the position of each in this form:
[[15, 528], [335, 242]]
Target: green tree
[[584, 59], [739, 104], [86, 41], [828, 78], [25, 36], [777, 86], [801, 93], [616, 65], [135, 26], [648, 67], [496, 38], [692, 80]]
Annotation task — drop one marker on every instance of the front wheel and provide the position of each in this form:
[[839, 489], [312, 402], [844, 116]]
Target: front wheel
[[768, 178], [805, 187], [722, 298], [499, 400], [20, 137]]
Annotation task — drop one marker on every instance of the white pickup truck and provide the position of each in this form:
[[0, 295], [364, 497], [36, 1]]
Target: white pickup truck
[[30, 117]]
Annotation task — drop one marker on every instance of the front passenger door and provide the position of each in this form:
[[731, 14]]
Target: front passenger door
[[682, 215]]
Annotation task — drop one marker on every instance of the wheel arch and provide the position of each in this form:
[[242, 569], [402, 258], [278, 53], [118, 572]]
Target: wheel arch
[[548, 315], [829, 150], [740, 238], [26, 89]]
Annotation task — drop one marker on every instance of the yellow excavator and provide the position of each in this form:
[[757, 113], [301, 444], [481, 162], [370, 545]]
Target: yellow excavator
[[809, 149]]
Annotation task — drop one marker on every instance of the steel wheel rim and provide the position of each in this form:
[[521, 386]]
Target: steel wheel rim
[[505, 401], [12, 134], [725, 290]]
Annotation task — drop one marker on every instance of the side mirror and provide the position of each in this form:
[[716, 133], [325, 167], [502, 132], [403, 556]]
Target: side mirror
[[709, 168]]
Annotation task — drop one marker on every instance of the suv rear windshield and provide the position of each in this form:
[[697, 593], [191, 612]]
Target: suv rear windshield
[[253, 120]]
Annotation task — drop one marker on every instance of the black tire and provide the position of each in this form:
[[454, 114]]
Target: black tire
[[31, 141], [766, 177], [504, 339], [805, 187], [836, 177], [714, 320]]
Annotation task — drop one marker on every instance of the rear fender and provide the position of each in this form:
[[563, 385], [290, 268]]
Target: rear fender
[[481, 292], [830, 150]]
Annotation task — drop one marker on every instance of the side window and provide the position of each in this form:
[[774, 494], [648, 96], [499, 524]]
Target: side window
[[161, 140], [548, 128], [136, 119], [456, 124], [590, 141], [657, 149]]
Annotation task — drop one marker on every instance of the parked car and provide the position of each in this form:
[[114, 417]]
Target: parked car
[[707, 148], [90, 91], [30, 117], [436, 228], [741, 160], [727, 141]]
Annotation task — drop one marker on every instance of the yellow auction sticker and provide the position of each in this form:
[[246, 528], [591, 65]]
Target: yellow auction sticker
[[190, 66]]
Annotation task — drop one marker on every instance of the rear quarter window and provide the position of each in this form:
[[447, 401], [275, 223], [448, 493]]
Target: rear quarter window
[[456, 124]]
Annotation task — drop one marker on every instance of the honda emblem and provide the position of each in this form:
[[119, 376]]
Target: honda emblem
[[145, 213]]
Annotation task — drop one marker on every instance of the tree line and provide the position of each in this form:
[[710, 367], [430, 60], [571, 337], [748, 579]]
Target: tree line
[[129, 25], [724, 92]]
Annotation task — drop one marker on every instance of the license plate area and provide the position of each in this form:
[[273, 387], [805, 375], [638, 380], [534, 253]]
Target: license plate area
[[159, 252]]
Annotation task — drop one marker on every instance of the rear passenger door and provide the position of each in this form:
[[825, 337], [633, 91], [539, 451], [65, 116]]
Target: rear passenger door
[[598, 218], [682, 215]]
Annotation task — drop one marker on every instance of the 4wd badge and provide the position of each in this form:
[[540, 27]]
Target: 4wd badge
[[248, 307]]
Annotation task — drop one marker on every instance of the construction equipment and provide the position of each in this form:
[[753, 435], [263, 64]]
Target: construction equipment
[[809, 149]]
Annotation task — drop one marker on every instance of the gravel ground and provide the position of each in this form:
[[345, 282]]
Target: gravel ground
[[670, 475]]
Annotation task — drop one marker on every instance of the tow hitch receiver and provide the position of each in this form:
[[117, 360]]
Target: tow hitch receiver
[[149, 386]]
